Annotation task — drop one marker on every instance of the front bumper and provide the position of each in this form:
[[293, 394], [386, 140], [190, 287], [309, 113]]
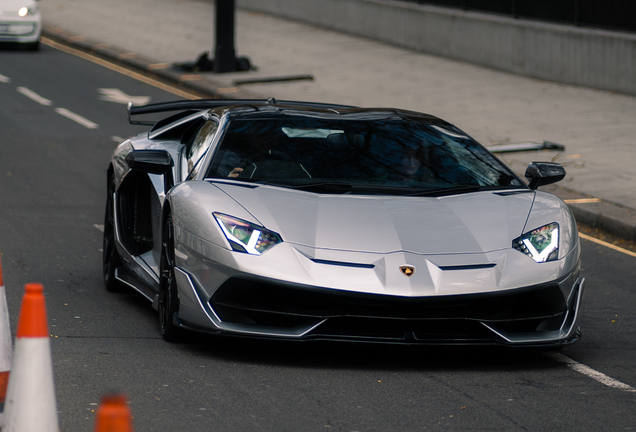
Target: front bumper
[[530, 316], [499, 297], [20, 30]]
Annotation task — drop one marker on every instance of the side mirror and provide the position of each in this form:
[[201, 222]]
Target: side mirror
[[152, 162], [544, 173]]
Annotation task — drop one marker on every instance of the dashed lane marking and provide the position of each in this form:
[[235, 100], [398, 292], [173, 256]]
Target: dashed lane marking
[[34, 96], [76, 118], [62, 111], [588, 371], [4, 79], [606, 244]]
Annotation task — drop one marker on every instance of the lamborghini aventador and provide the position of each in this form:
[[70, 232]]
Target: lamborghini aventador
[[308, 221]]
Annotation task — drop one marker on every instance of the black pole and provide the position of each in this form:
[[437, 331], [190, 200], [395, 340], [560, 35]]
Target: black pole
[[225, 59], [224, 54]]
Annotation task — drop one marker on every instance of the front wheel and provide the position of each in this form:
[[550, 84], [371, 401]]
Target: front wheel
[[168, 294]]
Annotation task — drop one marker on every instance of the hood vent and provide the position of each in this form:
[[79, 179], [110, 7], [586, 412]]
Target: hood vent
[[468, 267], [343, 264]]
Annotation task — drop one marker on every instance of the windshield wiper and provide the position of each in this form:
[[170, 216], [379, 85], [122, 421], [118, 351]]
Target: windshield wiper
[[329, 185], [344, 187], [453, 190]]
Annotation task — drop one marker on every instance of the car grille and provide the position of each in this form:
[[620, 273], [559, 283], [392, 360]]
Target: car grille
[[347, 315]]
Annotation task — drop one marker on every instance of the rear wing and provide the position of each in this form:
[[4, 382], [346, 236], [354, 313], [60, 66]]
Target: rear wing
[[203, 104]]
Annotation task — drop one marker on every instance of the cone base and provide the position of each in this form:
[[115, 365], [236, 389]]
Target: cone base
[[30, 404]]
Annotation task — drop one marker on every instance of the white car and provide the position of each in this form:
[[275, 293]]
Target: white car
[[21, 22]]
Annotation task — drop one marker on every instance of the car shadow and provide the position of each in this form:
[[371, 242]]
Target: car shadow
[[15, 46], [366, 356]]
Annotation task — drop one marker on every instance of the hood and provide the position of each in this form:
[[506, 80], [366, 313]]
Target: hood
[[468, 223]]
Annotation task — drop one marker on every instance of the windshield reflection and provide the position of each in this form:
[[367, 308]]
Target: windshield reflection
[[353, 156]]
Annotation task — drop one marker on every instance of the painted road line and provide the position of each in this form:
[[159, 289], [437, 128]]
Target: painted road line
[[118, 96], [116, 138], [121, 70], [34, 96], [99, 227], [76, 118], [582, 201], [4, 79], [588, 371], [606, 244]]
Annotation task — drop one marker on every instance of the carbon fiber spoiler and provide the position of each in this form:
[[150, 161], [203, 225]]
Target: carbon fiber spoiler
[[202, 104]]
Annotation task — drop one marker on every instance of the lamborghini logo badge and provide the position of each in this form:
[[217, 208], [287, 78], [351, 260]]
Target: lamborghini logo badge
[[407, 270]]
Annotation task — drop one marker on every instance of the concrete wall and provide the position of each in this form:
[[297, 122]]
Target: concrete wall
[[567, 54]]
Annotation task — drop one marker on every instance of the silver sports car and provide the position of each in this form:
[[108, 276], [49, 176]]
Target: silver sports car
[[307, 221]]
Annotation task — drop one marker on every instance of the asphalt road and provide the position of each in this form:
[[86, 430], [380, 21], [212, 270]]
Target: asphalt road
[[52, 191]]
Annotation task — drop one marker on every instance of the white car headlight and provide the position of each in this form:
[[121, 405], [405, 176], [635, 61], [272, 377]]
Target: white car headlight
[[245, 236], [541, 244], [27, 10]]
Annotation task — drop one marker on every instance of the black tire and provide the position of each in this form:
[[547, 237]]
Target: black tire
[[110, 257], [168, 293]]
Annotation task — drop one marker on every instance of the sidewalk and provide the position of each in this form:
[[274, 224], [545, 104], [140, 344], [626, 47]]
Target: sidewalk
[[598, 129]]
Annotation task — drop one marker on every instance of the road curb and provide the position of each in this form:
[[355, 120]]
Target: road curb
[[597, 213]]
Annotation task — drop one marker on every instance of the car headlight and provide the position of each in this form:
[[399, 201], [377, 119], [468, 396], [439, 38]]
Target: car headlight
[[245, 236], [30, 10], [541, 244]]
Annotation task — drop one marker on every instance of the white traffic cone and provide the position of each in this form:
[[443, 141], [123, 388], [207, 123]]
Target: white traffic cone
[[6, 347], [30, 404]]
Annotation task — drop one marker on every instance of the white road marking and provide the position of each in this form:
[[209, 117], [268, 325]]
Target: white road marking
[[76, 118], [99, 227], [34, 96], [116, 138], [588, 371], [118, 96], [4, 79]]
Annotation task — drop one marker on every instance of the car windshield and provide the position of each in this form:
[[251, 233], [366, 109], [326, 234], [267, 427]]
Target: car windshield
[[357, 156]]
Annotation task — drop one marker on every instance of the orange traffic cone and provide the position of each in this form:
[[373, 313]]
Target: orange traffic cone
[[113, 415], [6, 347], [30, 402]]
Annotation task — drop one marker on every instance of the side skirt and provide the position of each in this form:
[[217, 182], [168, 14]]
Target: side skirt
[[126, 278]]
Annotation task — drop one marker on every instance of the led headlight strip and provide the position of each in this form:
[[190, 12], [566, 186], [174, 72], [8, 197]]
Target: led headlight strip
[[245, 236], [541, 244]]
